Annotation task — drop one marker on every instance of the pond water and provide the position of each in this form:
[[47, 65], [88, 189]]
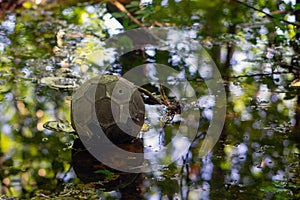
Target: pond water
[[45, 55]]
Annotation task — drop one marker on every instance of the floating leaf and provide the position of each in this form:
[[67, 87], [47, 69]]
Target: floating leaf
[[109, 175], [63, 126]]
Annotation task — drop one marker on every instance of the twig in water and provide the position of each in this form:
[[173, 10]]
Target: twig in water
[[267, 14], [122, 8]]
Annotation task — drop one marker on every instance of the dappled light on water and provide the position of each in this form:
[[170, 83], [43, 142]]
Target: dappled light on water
[[45, 55]]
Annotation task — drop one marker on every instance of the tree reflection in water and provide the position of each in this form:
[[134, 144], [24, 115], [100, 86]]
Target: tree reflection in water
[[257, 155]]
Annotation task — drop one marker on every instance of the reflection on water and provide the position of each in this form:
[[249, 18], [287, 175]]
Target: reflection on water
[[256, 157]]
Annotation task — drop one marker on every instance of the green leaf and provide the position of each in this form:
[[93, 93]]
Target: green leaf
[[277, 16], [297, 7], [118, 14], [143, 12], [133, 4], [109, 175]]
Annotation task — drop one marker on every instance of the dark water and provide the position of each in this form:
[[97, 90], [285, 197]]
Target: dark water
[[45, 55]]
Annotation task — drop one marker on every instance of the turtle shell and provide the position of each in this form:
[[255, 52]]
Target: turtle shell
[[110, 103], [113, 104]]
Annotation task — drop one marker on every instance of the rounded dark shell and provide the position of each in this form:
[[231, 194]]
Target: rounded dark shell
[[111, 103]]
